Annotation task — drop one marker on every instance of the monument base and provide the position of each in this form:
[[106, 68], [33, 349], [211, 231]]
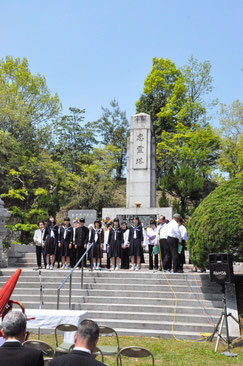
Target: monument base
[[145, 214]]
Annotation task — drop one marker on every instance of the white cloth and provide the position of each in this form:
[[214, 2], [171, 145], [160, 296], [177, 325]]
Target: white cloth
[[183, 232], [162, 231], [173, 230], [38, 237], [49, 319]]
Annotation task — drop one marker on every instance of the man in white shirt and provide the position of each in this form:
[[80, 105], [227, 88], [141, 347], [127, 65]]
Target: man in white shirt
[[38, 240], [162, 239], [173, 238]]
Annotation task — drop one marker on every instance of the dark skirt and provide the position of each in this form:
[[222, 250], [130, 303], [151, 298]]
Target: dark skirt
[[136, 248], [65, 250], [115, 249], [51, 246], [96, 251]]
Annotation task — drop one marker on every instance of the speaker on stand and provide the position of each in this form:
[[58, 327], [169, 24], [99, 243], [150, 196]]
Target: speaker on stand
[[221, 272]]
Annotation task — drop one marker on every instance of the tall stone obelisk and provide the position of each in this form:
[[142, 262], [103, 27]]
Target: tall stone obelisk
[[141, 166]]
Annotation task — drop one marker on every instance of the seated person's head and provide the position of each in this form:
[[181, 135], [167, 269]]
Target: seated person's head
[[14, 326], [87, 335]]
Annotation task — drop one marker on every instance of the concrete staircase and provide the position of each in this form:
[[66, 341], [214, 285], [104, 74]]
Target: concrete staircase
[[134, 303]]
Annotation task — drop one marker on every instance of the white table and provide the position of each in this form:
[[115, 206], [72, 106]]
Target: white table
[[49, 319]]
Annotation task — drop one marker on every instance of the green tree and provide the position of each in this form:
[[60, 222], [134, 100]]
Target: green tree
[[187, 158], [174, 95], [96, 185], [38, 186], [73, 139], [113, 128], [26, 103], [216, 225], [163, 85], [231, 121]]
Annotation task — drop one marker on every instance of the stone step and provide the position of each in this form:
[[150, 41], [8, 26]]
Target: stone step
[[156, 325], [162, 308], [147, 275], [24, 298], [119, 287], [119, 293], [183, 318]]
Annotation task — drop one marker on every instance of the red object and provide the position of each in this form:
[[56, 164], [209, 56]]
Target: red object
[[6, 292]]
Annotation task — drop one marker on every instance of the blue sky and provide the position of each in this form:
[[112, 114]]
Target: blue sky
[[92, 51]]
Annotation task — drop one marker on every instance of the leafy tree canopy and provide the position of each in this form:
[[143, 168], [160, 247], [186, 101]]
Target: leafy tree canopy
[[231, 120]]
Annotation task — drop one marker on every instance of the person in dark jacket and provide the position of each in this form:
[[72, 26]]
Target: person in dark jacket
[[81, 240], [125, 246], [12, 352], [136, 243], [65, 242], [86, 340], [97, 237], [115, 241], [50, 241]]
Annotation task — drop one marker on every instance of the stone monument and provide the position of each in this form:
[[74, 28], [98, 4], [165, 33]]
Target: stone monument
[[141, 168], [3, 215], [141, 176]]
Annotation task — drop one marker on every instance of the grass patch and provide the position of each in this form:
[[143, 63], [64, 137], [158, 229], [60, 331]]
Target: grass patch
[[169, 352]]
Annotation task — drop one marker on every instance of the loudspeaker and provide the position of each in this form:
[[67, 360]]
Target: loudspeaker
[[221, 268]]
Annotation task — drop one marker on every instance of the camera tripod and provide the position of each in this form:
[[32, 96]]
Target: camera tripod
[[219, 326]]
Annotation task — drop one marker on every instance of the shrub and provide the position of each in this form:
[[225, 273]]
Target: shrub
[[216, 225]]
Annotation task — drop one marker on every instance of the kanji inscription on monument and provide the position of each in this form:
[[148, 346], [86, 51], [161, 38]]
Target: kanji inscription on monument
[[140, 149]]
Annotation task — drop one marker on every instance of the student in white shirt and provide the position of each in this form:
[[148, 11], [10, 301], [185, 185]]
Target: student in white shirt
[[151, 239], [182, 259], [173, 238], [164, 249], [38, 240]]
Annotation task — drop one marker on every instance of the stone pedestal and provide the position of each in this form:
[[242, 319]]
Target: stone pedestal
[[141, 168], [3, 215]]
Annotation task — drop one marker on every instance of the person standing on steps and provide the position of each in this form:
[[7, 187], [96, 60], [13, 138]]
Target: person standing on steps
[[50, 239], [65, 242], [182, 259], [165, 258], [38, 240], [125, 246], [152, 240], [97, 237], [173, 238], [115, 241], [81, 240], [136, 243]]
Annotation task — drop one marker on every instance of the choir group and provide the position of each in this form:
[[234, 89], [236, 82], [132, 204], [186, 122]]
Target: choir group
[[122, 244]]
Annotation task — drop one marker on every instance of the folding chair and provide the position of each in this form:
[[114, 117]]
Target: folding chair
[[64, 346], [133, 352], [109, 332], [45, 348]]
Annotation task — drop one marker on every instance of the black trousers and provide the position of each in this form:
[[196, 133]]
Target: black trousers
[[181, 256], [165, 254], [173, 248], [79, 252], [38, 250], [151, 255]]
